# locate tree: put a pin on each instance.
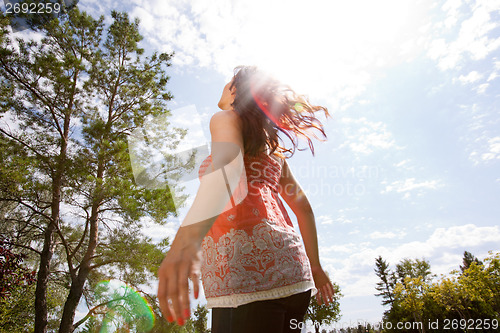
(16, 282)
(324, 314)
(473, 293)
(72, 99)
(410, 296)
(386, 284)
(22, 19)
(468, 259)
(200, 321)
(461, 299)
(405, 291)
(418, 268)
(12, 273)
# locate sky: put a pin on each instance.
(411, 165)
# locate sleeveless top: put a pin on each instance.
(253, 252)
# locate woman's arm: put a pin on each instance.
(296, 199)
(183, 259)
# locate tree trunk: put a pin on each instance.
(41, 311)
(41, 282)
(72, 301)
(78, 283)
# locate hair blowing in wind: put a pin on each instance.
(267, 106)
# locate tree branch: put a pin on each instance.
(23, 246)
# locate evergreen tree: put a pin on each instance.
(71, 100)
(467, 260)
(386, 285)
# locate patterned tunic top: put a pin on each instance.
(252, 252)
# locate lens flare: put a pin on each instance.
(124, 308)
(272, 109)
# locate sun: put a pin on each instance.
(322, 47)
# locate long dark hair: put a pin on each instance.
(267, 106)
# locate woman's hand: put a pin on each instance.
(181, 262)
(324, 285)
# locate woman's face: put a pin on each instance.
(227, 97)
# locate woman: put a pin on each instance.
(256, 274)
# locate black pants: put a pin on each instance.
(281, 315)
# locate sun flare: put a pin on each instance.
(326, 47)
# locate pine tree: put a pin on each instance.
(467, 260)
(70, 101)
(386, 284)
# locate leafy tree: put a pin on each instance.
(418, 268)
(200, 321)
(405, 291)
(12, 273)
(16, 287)
(410, 296)
(324, 314)
(73, 98)
(473, 294)
(461, 298)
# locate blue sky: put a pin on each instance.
(411, 167)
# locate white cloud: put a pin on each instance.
(463, 236)
(481, 132)
(493, 152)
(403, 163)
(364, 136)
(451, 7)
(387, 235)
(411, 185)
(470, 78)
(287, 37)
(325, 219)
(473, 39)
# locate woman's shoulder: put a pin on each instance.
(225, 116)
(225, 127)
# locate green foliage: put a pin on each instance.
(386, 284)
(16, 288)
(17, 313)
(462, 298)
(468, 259)
(324, 314)
(200, 322)
(120, 307)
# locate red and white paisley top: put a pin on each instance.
(253, 252)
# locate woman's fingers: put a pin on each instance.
(173, 296)
(196, 284)
(318, 298)
(331, 291)
(183, 293)
(163, 296)
(327, 293)
(180, 264)
(173, 292)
